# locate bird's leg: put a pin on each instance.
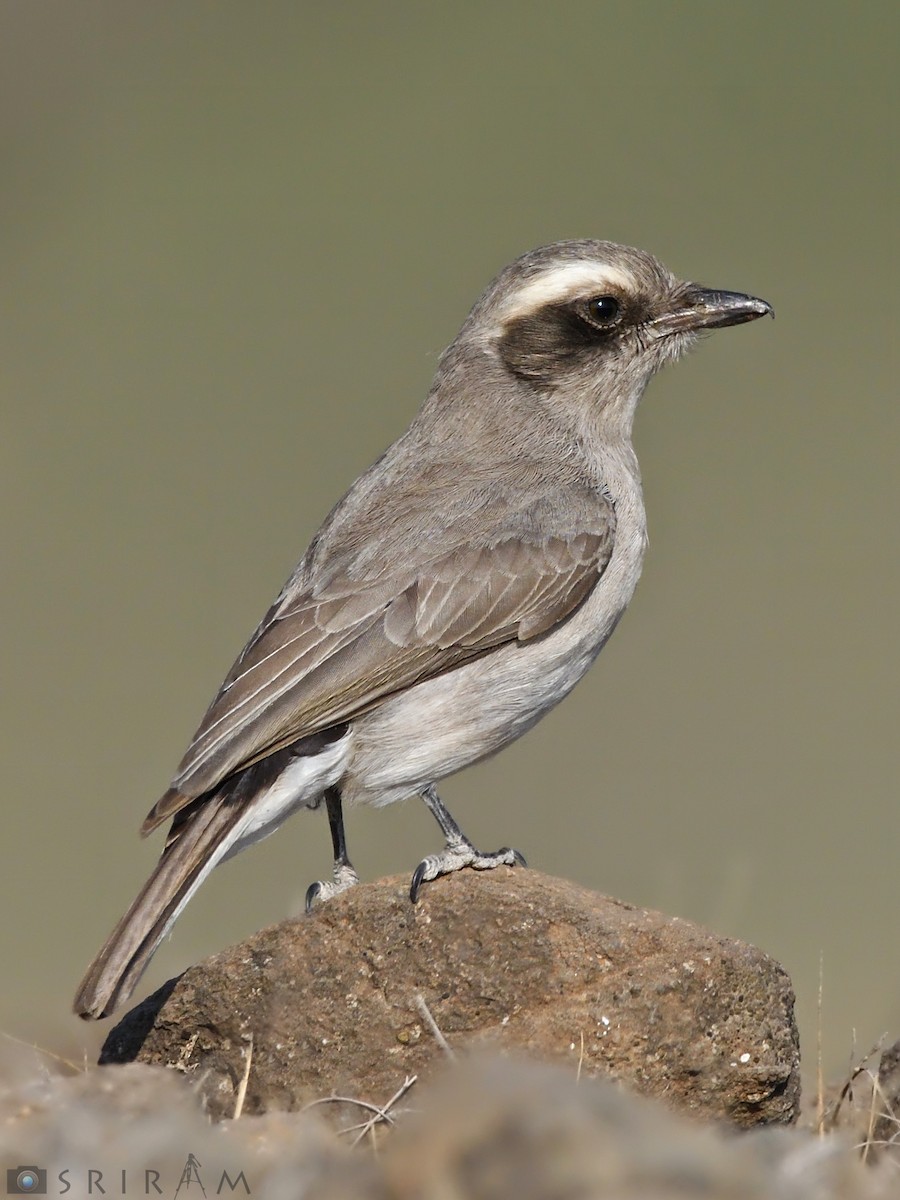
(344, 874)
(458, 851)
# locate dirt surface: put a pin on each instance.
(488, 1130)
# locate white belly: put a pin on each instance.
(445, 724)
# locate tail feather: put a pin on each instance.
(197, 843)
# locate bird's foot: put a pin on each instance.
(457, 855)
(317, 893)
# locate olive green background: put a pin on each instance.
(235, 237)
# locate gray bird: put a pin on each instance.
(457, 592)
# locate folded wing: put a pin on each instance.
(324, 657)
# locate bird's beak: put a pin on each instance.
(705, 308)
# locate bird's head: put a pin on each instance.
(596, 319)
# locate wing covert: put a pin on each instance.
(323, 658)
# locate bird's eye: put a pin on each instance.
(602, 311)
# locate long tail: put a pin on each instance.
(198, 841)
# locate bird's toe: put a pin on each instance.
(455, 857)
(317, 893)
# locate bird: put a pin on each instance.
(455, 594)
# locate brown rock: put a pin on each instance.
(510, 960)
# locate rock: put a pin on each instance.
(339, 1002)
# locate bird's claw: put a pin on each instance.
(317, 893)
(455, 857)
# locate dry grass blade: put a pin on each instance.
(877, 1095)
(881, 1114)
(343, 1100)
(831, 1119)
(383, 1113)
(66, 1062)
(379, 1112)
(433, 1026)
(242, 1089)
(820, 1079)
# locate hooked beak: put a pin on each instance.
(706, 308)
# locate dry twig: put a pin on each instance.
(383, 1113)
(242, 1089)
(433, 1026)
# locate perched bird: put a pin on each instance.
(459, 590)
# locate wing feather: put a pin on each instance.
(322, 658)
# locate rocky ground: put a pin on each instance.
(512, 1036)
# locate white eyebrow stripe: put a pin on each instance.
(562, 283)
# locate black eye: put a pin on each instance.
(602, 311)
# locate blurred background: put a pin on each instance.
(235, 238)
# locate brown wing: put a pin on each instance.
(330, 656)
